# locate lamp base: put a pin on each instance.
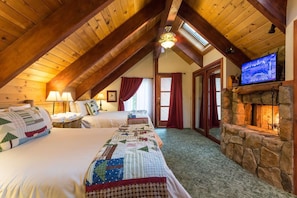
(100, 106)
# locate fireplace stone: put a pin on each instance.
(267, 155)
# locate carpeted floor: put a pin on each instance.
(205, 172)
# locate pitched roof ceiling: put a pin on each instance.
(89, 44)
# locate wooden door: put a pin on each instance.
(201, 99)
(163, 86)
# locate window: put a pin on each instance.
(194, 37)
(142, 99)
(165, 98)
(195, 34)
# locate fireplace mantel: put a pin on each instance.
(257, 87)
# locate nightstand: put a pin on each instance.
(64, 122)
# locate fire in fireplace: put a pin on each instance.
(262, 116)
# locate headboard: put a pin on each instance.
(5, 105)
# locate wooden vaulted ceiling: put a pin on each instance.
(86, 45)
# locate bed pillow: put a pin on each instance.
(18, 127)
(21, 107)
(72, 106)
(46, 117)
(81, 107)
(43, 112)
(92, 107)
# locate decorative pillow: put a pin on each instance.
(92, 107)
(81, 107)
(46, 117)
(18, 127)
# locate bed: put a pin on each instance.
(58, 163)
(94, 118)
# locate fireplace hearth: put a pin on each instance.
(257, 125)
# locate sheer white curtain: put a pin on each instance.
(142, 99)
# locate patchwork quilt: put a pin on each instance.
(129, 165)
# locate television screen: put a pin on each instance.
(263, 69)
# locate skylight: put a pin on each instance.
(195, 34)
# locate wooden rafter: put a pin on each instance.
(189, 49)
(114, 64)
(95, 54)
(168, 17)
(215, 38)
(45, 35)
(122, 69)
(274, 10)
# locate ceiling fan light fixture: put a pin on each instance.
(167, 39)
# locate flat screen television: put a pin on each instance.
(263, 69)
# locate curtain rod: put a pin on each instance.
(172, 73)
(137, 77)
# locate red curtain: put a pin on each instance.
(213, 111)
(175, 117)
(129, 87)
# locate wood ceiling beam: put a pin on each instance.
(182, 55)
(214, 37)
(274, 10)
(189, 49)
(95, 54)
(45, 35)
(98, 76)
(122, 69)
(168, 17)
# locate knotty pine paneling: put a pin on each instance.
(17, 17)
(18, 90)
(237, 20)
(241, 23)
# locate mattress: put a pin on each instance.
(55, 165)
(110, 119)
(51, 166)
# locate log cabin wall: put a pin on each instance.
(18, 90)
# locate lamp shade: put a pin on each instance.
(100, 96)
(66, 96)
(53, 96)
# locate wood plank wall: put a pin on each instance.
(18, 90)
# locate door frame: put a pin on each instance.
(205, 72)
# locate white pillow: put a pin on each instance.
(17, 108)
(72, 107)
(81, 107)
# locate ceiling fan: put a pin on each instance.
(167, 39)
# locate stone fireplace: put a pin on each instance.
(257, 125)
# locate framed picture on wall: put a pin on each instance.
(111, 96)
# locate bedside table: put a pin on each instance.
(64, 122)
